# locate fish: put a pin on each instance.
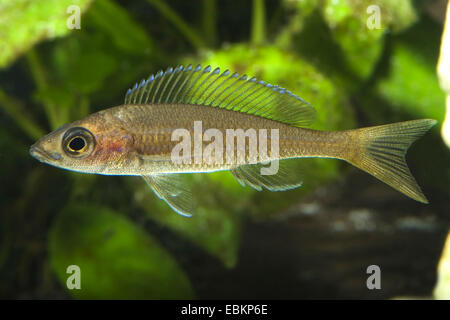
(174, 123)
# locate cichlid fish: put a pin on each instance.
(146, 136)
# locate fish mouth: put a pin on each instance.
(42, 155)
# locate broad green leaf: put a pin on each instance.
(412, 85)
(126, 33)
(118, 260)
(24, 23)
(345, 36)
(74, 59)
(359, 27)
(395, 15)
(215, 225)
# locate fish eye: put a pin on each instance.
(78, 142)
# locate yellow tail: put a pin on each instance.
(382, 150)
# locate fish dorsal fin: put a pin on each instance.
(284, 177)
(210, 87)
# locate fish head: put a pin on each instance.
(91, 145)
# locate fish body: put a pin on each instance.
(189, 120)
(137, 139)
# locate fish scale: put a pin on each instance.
(294, 142)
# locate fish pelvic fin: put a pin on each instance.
(171, 189)
(381, 152)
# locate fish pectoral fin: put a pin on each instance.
(172, 189)
(274, 177)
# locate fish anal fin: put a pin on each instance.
(276, 176)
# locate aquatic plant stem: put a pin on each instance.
(209, 21)
(258, 32)
(38, 73)
(16, 111)
(190, 34)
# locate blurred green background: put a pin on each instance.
(313, 242)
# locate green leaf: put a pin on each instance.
(349, 22)
(335, 34)
(118, 260)
(23, 23)
(412, 85)
(214, 226)
(74, 59)
(117, 23)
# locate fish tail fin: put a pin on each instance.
(381, 152)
